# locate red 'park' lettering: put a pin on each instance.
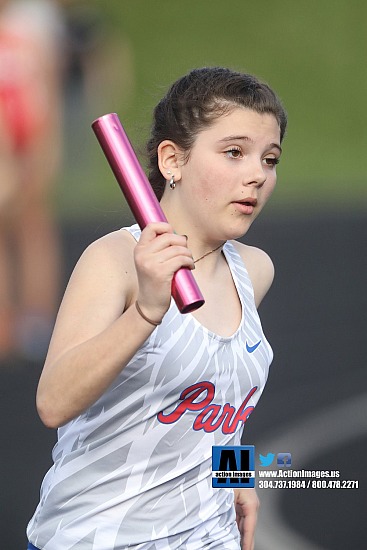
(199, 397)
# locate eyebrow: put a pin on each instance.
(246, 138)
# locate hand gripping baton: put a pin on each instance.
(141, 199)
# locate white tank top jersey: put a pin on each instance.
(134, 470)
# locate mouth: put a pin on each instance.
(246, 206)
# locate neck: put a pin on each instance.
(199, 242)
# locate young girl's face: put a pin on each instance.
(231, 172)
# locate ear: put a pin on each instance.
(169, 159)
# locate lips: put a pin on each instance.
(249, 201)
(246, 206)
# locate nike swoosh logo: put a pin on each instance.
(251, 349)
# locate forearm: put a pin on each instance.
(76, 379)
(247, 506)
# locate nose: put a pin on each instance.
(255, 174)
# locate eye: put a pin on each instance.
(234, 153)
(271, 161)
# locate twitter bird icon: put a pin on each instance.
(266, 460)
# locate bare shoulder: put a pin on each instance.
(259, 267)
(120, 239)
(116, 248)
(109, 258)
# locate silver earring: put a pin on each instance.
(172, 184)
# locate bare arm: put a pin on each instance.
(98, 329)
(246, 506)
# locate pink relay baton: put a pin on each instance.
(141, 199)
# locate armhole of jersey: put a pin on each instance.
(238, 268)
(134, 231)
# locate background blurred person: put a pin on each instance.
(31, 37)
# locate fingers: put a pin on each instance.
(158, 245)
(152, 230)
(160, 235)
(158, 255)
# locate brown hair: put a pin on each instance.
(196, 100)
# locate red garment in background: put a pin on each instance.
(23, 104)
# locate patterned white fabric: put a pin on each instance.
(134, 471)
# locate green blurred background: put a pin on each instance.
(311, 52)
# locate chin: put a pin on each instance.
(238, 230)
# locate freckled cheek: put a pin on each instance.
(207, 186)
